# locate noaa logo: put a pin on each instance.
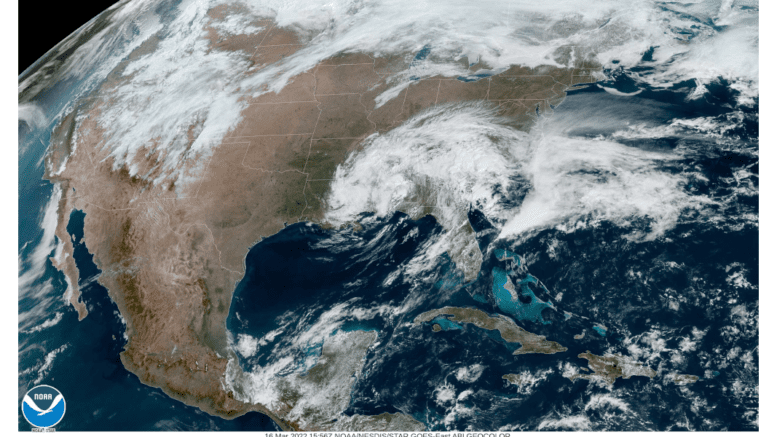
(43, 406)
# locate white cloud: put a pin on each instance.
(46, 324)
(455, 152)
(579, 182)
(470, 373)
(246, 345)
(32, 114)
(578, 422)
(33, 267)
(463, 155)
(48, 361)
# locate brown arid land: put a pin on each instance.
(171, 246)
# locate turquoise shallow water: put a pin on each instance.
(527, 306)
(445, 324)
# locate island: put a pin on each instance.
(610, 367)
(508, 329)
(506, 255)
(682, 379)
(600, 329)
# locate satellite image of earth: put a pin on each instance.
(394, 215)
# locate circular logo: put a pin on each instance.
(43, 406)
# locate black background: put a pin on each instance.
(44, 25)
